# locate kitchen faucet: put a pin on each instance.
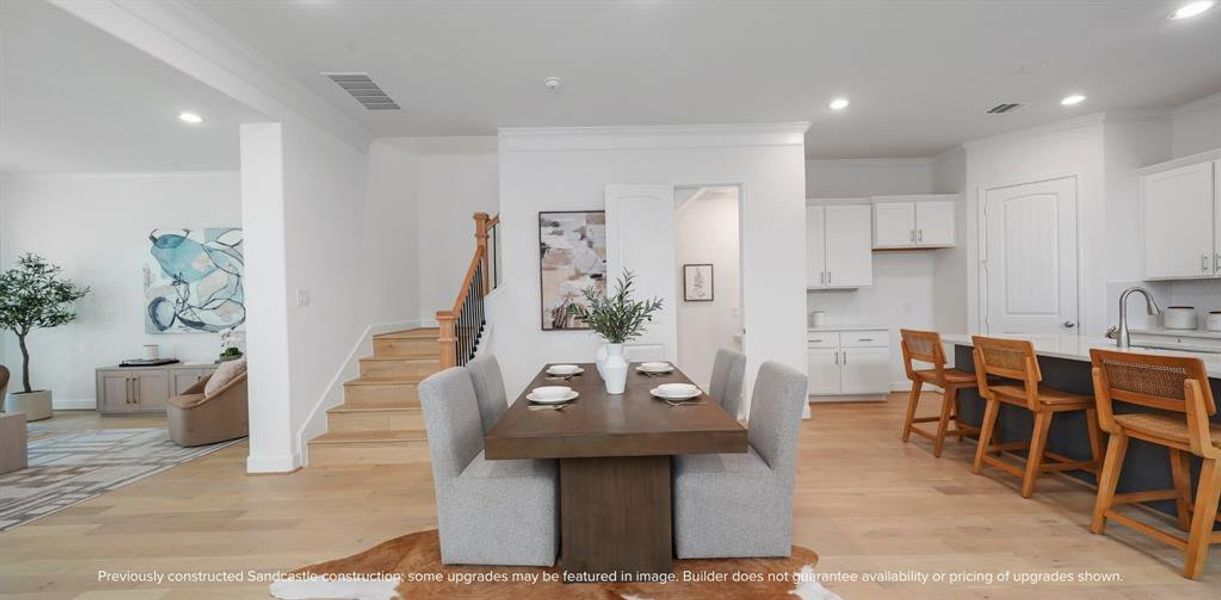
(1123, 340)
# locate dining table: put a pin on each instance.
(615, 453)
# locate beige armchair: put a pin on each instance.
(196, 419)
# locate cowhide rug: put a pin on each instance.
(410, 567)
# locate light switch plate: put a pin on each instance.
(302, 297)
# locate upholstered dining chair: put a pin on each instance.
(741, 505)
(489, 389)
(728, 371)
(489, 512)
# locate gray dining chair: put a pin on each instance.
(741, 505)
(728, 372)
(489, 512)
(489, 389)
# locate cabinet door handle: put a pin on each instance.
(837, 357)
(864, 339)
(845, 357)
(920, 236)
(127, 389)
(822, 277)
(911, 235)
(135, 384)
(1203, 263)
(828, 278)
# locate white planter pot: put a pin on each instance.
(613, 368)
(36, 405)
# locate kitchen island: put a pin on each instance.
(1065, 363)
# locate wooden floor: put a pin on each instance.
(865, 502)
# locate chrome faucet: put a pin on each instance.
(1123, 340)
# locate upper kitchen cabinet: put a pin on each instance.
(838, 246)
(924, 221)
(1181, 219)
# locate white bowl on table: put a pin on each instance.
(551, 394)
(564, 370)
(655, 368)
(676, 391)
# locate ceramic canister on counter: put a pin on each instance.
(1180, 317)
(817, 318)
(1213, 321)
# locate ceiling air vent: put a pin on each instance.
(1005, 107)
(362, 87)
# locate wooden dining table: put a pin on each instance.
(614, 454)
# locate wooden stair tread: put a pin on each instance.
(427, 333)
(397, 380)
(407, 359)
(366, 437)
(373, 408)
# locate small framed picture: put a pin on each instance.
(697, 283)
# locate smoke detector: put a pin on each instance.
(553, 83)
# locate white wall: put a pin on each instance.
(829, 178)
(436, 185)
(392, 233)
(706, 231)
(1196, 126)
(950, 269)
(568, 169)
(96, 227)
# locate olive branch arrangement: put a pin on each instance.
(616, 317)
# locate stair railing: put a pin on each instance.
(460, 328)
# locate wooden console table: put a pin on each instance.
(122, 390)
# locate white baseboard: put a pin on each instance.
(315, 424)
(74, 403)
(273, 463)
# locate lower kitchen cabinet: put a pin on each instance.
(848, 362)
(144, 389)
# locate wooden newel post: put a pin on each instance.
(481, 241)
(447, 337)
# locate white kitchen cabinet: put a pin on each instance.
(846, 362)
(1179, 214)
(838, 246)
(925, 221)
(864, 370)
(824, 375)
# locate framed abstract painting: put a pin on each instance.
(572, 257)
(193, 280)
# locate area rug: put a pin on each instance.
(67, 467)
(410, 567)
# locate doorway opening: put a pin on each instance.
(708, 262)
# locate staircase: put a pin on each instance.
(380, 421)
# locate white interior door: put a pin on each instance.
(640, 238)
(1030, 259)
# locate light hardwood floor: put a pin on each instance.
(865, 502)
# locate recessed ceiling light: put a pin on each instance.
(1192, 9)
(1072, 100)
(190, 117)
(838, 104)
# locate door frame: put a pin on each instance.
(741, 248)
(982, 244)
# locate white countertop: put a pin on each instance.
(834, 328)
(1191, 333)
(1078, 348)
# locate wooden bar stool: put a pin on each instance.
(1178, 388)
(1015, 359)
(925, 346)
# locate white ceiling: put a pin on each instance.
(73, 99)
(920, 74)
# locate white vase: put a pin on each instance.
(36, 405)
(612, 367)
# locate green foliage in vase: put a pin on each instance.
(616, 317)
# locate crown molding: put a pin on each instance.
(527, 139)
(918, 161)
(181, 36)
(20, 176)
(1198, 105)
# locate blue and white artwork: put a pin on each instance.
(193, 280)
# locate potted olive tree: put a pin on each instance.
(618, 318)
(34, 295)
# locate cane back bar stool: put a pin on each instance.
(1178, 388)
(1015, 359)
(925, 346)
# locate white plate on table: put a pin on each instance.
(676, 391)
(564, 370)
(569, 397)
(655, 368)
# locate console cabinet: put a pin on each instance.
(122, 390)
